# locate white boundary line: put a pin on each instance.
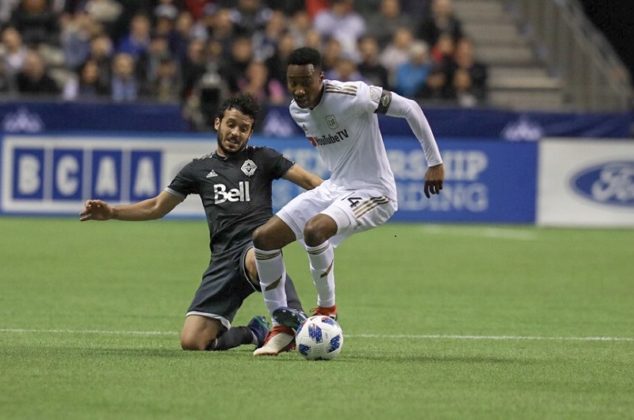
(388, 336)
(489, 337)
(92, 332)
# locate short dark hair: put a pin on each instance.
(305, 55)
(244, 103)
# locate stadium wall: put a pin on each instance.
(589, 183)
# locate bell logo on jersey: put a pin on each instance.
(221, 194)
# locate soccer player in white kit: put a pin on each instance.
(340, 120)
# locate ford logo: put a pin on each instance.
(610, 183)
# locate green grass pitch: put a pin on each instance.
(440, 321)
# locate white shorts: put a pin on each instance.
(353, 210)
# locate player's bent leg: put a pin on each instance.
(268, 240)
(199, 332)
(321, 255)
(202, 333)
(292, 298)
(274, 234)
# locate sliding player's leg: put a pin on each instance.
(224, 287)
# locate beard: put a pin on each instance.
(224, 150)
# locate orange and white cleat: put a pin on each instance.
(278, 340)
(330, 311)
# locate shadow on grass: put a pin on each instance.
(344, 358)
(87, 351)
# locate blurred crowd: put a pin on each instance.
(196, 52)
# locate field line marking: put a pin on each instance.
(383, 336)
(94, 332)
(488, 337)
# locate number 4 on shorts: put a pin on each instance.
(354, 201)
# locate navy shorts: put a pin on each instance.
(225, 285)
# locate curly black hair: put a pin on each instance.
(305, 55)
(244, 103)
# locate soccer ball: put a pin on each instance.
(319, 338)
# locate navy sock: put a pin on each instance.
(231, 338)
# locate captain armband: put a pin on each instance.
(384, 102)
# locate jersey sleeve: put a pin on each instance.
(275, 162)
(184, 183)
(368, 97)
(399, 106)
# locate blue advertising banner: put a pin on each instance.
(486, 181)
(476, 123)
(42, 117)
(482, 123)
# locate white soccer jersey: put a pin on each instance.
(345, 130)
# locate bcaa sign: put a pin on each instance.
(78, 174)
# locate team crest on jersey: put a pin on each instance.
(331, 121)
(249, 167)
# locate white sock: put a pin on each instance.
(322, 269)
(272, 275)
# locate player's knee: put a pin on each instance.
(195, 342)
(261, 238)
(318, 230)
(192, 343)
(274, 234)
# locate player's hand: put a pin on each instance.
(433, 179)
(96, 210)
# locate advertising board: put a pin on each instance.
(589, 183)
(486, 181)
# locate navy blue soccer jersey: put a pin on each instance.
(235, 192)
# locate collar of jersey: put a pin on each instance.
(238, 155)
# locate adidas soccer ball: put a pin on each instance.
(319, 338)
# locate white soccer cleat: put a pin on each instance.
(279, 339)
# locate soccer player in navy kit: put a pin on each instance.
(234, 184)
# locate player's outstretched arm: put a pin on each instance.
(399, 106)
(300, 176)
(152, 208)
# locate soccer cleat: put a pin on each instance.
(330, 311)
(259, 326)
(278, 340)
(289, 317)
